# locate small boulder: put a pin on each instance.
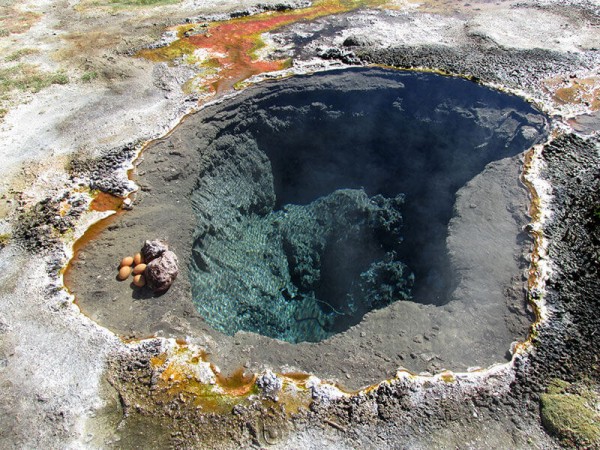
(357, 41)
(153, 249)
(270, 384)
(127, 204)
(161, 271)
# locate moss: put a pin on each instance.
(16, 56)
(4, 239)
(558, 386)
(569, 413)
(28, 78)
(89, 76)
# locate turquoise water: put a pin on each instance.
(321, 198)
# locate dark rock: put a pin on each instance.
(40, 226)
(153, 249)
(356, 41)
(523, 68)
(320, 244)
(333, 53)
(162, 271)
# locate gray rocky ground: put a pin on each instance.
(68, 382)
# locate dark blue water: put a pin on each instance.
(323, 197)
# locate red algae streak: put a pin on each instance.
(232, 45)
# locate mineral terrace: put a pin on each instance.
(471, 318)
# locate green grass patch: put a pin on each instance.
(16, 56)
(28, 78)
(88, 77)
(569, 413)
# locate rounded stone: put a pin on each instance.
(153, 249)
(162, 271)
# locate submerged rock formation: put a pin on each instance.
(336, 245)
(302, 193)
(295, 272)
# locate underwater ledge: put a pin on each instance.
(427, 337)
